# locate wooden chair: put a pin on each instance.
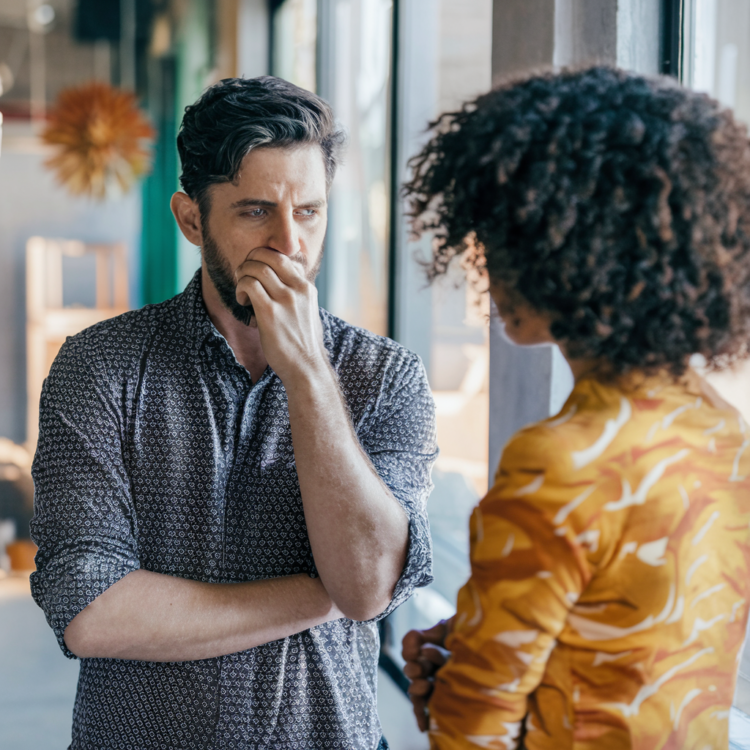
(48, 322)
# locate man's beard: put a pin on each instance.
(222, 276)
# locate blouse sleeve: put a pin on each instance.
(527, 571)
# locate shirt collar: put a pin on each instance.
(192, 308)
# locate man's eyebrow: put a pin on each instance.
(255, 202)
(245, 202)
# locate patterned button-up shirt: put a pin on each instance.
(157, 451)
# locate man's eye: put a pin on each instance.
(254, 213)
(306, 211)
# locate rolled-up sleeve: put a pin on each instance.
(400, 439)
(83, 511)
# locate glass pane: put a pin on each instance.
(294, 42)
(355, 271)
(717, 62)
(457, 321)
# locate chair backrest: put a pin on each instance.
(50, 319)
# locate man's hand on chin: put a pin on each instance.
(286, 312)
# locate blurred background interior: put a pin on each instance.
(74, 251)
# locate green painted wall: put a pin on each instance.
(194, 63)
(168, 260)
(159, 234)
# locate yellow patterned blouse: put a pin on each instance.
(610, 579)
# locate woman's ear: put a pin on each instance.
(524, 325)
(188, 216)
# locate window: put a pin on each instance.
(716, 60)
(294, 42)
(445, 51)
(341, 49)
(371, 276)
(355, 77)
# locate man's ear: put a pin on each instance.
(188, 217)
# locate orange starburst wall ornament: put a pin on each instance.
(102, 139)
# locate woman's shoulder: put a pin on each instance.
(600, 423)
(589, 421)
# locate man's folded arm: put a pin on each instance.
(402, 445)
(154, 617)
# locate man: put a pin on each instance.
(231, 485)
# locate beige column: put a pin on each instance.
(527, 385)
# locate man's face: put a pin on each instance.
(279, 201)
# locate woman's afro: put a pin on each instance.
(619, 204)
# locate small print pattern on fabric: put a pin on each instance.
(157, 451)
(610, 581)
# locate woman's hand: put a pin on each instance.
(424, 652)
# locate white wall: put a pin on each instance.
(635, 50)
(586, 31)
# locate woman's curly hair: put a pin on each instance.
(616, 203)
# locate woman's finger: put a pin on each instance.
(422, 650)
(420, 688)
(420, 712)
(436, 634)
(413, 641)
(413, 670)
(433, 655)
(428, 666)
(421, 668)
(411, 644)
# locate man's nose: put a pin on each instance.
(284, 236)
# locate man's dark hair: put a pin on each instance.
(237, 115)
(619, 204)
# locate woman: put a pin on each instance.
(610, 580)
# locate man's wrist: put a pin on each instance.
(311, 380)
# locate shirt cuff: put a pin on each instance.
(66, 585)
(417, 570)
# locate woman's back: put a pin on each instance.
(610, 577)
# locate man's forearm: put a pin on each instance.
(358, 531)
(153, 617)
